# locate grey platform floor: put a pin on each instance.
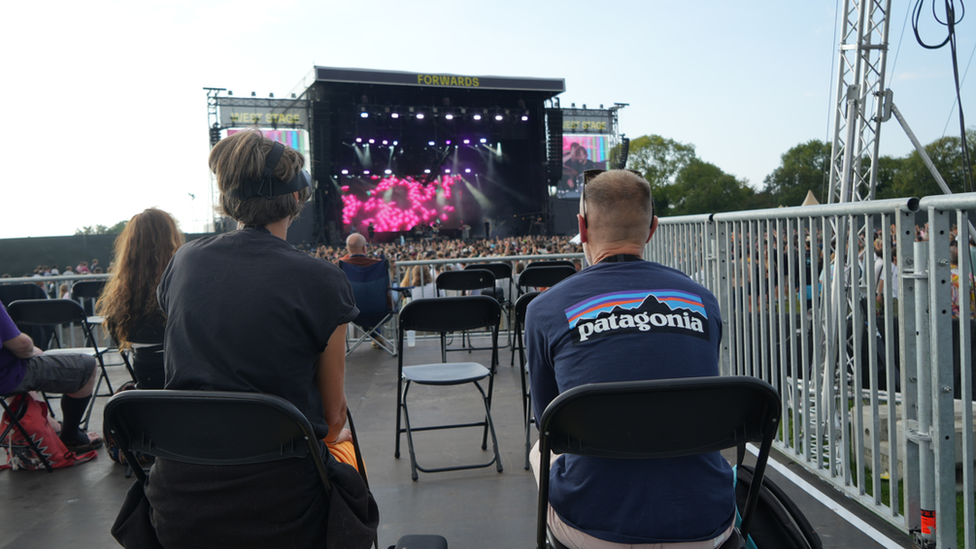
(75, 507)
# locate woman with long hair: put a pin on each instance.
(128, 302)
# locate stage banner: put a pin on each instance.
(587, 121)
(237, 112)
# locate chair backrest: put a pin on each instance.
(88, 289)
(522, 305)
(210, 428)
(370, 286)
(626, 420)
(41, 312)
(500, 270)
(14, 292)
(551, 263)
(450, 314)
(468, 279)
(544, 277)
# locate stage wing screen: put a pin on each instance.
(394, 203)
(581, 153)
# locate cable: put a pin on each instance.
(950, 23)
(964, 74)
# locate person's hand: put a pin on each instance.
(36, 352)
(345, 435)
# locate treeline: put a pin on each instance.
(685, 184)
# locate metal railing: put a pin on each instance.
(866, 356)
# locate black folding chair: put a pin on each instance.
(537, 276)
(625, 421)
(464, 281)
(54, 313)
(442, 315)
(520, 308)
(502, 271)
(371, 288)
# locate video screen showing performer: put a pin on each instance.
(393, 204)
(580, 153)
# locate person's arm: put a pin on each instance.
(22, 346)
(331, 376)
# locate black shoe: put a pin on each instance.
(91, 442)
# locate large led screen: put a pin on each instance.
(580, 153)
(393, 203)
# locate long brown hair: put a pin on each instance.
(142, 251)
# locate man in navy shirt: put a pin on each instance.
(626, 319)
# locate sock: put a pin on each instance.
(73, 409)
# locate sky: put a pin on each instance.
(106, 113)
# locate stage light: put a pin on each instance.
(372, 141)
(395, 143)
(467, 141)
(476, 116)
(427, 170)
(395, 115)
(345, 172)
(364, 114)
(359, 140)
(484, 140)
(365, 172)
(388, 171)
(447, 170)
(499, 117)
(525, 118)
(431, 143)
(467, 170)
(385, 142)
(449, 116)
(448, 142)
(420, 116)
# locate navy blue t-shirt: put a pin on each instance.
(630, 321)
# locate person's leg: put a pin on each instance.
(73, 376)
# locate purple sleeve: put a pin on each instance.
(8, 330)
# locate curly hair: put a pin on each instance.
(142, 251)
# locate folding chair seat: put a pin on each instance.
(626, 420)
(442, 315)
(53, 313)
(521, 306)
(14, 417)
(541, 276)
(371, 288)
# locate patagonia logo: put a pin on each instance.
(660, 311)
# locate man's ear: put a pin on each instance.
(582, 227)
(653, 228)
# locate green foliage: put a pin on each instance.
(659, 159)
(702, 187)
(913, 178)
(102, 229)
(803, 168)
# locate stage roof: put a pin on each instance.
(550, 86)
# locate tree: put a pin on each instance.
(702, 187)
(914, 178)
(803, 168)
(659, 159)
(102, 229)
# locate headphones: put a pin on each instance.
(270, 186)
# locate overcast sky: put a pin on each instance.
(106, 114)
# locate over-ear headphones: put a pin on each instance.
(270, 186)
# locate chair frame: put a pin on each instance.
(15, 424)
(54, 312)
(386, 316)
(623, 420)
(501, 270)
(180, 426)
(521, 307)
(463, 281)
(542, 276)
(442, 315)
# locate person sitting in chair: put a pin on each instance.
(626, 319)
(246, 311)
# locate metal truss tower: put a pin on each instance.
(860, 99)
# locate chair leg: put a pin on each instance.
(406, 419)
(91, 403)
(399, 411)
(528, 426)
(491, 428)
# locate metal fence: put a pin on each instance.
(865, 351)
